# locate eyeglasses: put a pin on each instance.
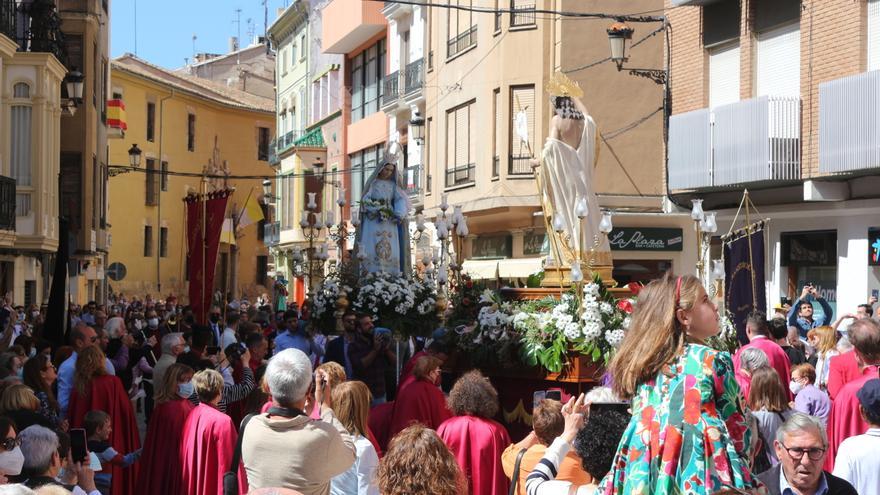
(815, 454)
(94, 339)
(9, 443)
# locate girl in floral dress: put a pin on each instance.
(689, 433)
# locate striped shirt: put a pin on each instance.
(541, 481)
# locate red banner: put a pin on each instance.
(203, 245)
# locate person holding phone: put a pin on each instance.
(801, 314)
(44, 457)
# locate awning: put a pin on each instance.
(504, 268)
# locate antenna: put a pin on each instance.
(237, 22)
(266, 21)
(250, 30)
(194, 47)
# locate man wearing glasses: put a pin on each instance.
(801, 446)
(81, 337)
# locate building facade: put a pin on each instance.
(772, 96)
(250, 69)
(187, 125)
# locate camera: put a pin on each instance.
(234, 351)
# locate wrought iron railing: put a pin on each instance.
(273, 152)
(271, 233)
(461, 42)
(414, 180)
(390, 88)
(7, 18)
(286, 140)
(522, 14)
(7, 203)
(43, 32)
(414, 76)
(461, 175)
(519, 165)
(311, 139)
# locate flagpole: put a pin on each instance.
(243, 208)
(204, 200)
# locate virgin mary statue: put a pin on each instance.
(382, 242)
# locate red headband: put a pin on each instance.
(677, 292)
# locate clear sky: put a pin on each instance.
(165, 28)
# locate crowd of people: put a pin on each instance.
(259, 401)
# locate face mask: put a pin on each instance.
(185, 389)
(215, 318)
(35, 314)
(185, 348)
(153, 323)
(20, 373)
(21, 317)
(11, 462)
(32, 353)
(795, 387)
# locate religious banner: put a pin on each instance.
(203, 245)
(874, 246)
(744, 275)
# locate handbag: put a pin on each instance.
(515, 477)
(230, 478)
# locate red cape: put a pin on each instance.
(209, 439)
(845, 421)
(842, 370)
(419, 402)
(160, 466)
(106, 394)
(477, 445)
(379, 421)
(408, 369)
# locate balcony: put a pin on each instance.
(520, 165)
(414, 181)
(43, 33)
(461, 42)
(849, 117)
(7, 203)
(414, 79)
(461, 175)
(348, 24)
(390, 90)
(7, 18)
(522, 15)
(273, 152)
(271, 233)
(286, 141)
(748, 141)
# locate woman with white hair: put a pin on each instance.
(751, 359)
(280, 447)
(43, 460)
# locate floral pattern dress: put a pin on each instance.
(689, 432)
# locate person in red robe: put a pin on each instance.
(434, 349)
(421, 401)
(842, 370)
(476, 440)
(845, 420)
(160, 471)
(209, 439)
(95, 390)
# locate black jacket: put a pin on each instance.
(836, 486)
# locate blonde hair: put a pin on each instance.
(655, 336)
(335, 372)
(18, 397)
(827, 337)
(425, 365)
(208, 385)
(351, 405)
(90, 363)
(167, 390)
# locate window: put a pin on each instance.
(460, 145)
(164, 176)
(152, 184)
(30, 292)
(21, 138)
(104, 81)
(498, 15)
(151, 121)
(522, 13)
(262, 269)
(283, 58)
(96, 76)
(721, 23)
(190, 132)
(148, 241)
(873, 34)
(302, 47)
(263, 143)
(522, 105)
(496, 132)
(778, 62)
(461, 33)
(724, 75)
(362, 165)
(96, 192)
(163, 242)
(428, 123)
(367, 69)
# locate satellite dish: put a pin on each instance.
(116, 271)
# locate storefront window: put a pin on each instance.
(811, 258)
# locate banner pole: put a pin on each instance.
(204, 200)
(751, 260)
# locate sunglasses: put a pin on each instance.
(10, 443)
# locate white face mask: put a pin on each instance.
(153, 323)
(11, 462)
(795, 387)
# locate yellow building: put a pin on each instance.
(184, 124)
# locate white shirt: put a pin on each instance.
(228, 338)
(857, 461)
(360, 479)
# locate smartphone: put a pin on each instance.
(212, 350)
(875, 293)
(554, 395)
(78, 446)
(537, 397)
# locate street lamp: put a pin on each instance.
(267, 192)
(417, 128)
(318, 166)
(74, 83)
(134, 156)
(619, 34)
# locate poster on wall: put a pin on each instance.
(874, 246)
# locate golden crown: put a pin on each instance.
(562, 85)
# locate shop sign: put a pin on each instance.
(874, 246)
(815, 248)
(645, 239)
(535, 243)
(494, 246)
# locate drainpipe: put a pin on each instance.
(159, 198)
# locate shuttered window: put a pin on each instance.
(522, 101)
(460, 145)
(779, 62)
(152, 183)
(497, 132)
(873, 34)
(724, 75)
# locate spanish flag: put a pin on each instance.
(251, 213)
